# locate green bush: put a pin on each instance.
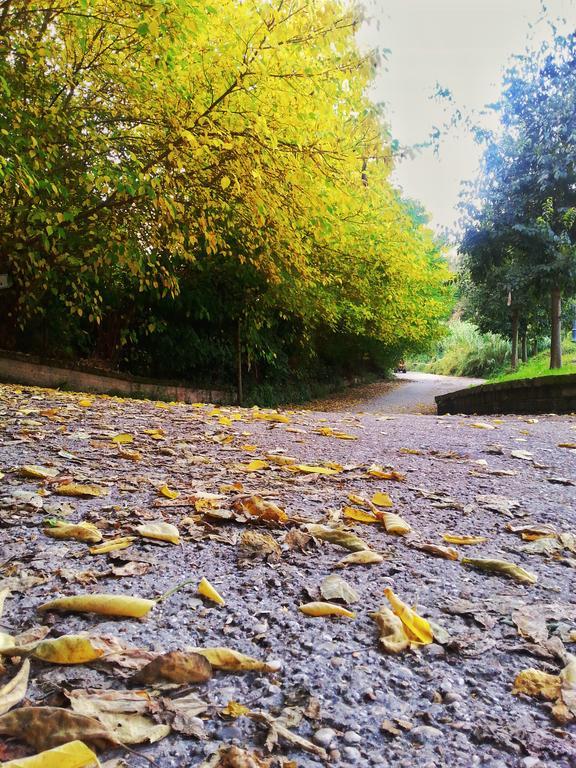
(465, 351)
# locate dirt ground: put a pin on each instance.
(328, 692)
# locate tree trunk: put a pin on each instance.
(555, 328)
(534, 350)
(524, 347)
(239, 362)
(514, 361)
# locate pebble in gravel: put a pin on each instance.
(324, 737)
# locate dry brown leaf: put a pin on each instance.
(279, 730)
(77, 489)
(254, 544)
(392, 634)
(433, 549)
(233, 661)
(47, 727)
(455, 538)
(177, 667)
(337, 536)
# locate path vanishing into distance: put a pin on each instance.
(410, 392)
(383, 590)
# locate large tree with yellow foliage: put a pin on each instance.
(154, 144)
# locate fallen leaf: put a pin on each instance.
(329, 432)
(385, 474)
(47, 727)
(207, 590)
(433, 549)
(455, 538)
(233, 661)
(235, 709)
(74, 754)
(482, 425)
(76, 489)
(392, 634)
(122, 542)
(567, 445)
(382, 500)
(15, 690)
(159, 531)
(265, 416)
(394, 523)
(253, 466)
(107, 605)
(168, 492)
(335, 588)
(359, 515)
(258, 507)
(498, 503)
(120, 713)
(177, 667)
(363, 557)
(123, 438)
(279, 730)
(125, 453)
(325, 609)
(524, 455)
(534, 682)
(57, 529)
(67, 649)
(230, 756)
(254, 544)
(337, 536)
(504, 567)
(417, 628)
(309, 469)
(37, 472)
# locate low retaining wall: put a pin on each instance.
(25, 369)
(547, 394)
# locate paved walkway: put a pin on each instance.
(417, 392)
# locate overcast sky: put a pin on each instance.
(463, 45)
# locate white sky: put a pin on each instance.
(463, 45)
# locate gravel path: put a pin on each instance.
(446, 703)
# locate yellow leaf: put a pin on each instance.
(337, 536)
(235, 709)
(394, 523)
(167, 492)
(249, 448)
(411, 451)
(432, 549)
(281, 461)
(502, 566)
(259, 507)
(37, 472)
(160, 532)
(15, 690)
(74, 754)
(325, 609)
(392, 634)
(224, 182)
(277, 417)
(155, 434)
(125, 453)
(104, 604)
(385, 474)
(112, 545)
(382, 500)
(363, 557)
(76, 531)
(311, 470)
(417, 628)
(329, 432)
(534, 682)
(233, 661)
(85, 402)
(454, 538)
(253, 466)
(76, 489)
(357, 500)
(68, 649)
(359, 515)
(225, 421)
(207, 590)
(482, 425)
(123, 438)
(566, 445)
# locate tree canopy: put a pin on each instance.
(167, 147)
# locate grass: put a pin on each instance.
(539, 365)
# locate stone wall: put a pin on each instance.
(547, 394)
(28, 370)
